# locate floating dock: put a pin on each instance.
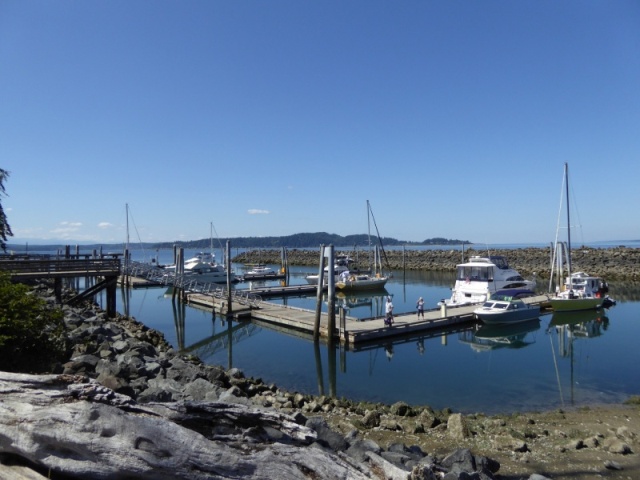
(349, 330)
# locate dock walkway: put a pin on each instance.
(351, 331)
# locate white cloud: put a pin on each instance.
(105, 225)
(255, 211)
(66, 229)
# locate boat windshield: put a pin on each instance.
(499, 261)
(474, 273)
(496, 305)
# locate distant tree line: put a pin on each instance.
(298, 240)
(307, 240)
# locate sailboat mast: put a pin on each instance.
(369, 231)
(566, 179)
(127, 212)
(211, 237)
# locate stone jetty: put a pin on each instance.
(127, 405)
(609, 263)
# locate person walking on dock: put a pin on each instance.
(420, 308)
(389, 310)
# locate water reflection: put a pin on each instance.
(368, 304)
(490, 337)
(568, 327)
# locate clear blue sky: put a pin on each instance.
(453, 118)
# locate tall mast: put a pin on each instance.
(566, 179)
(369, 231)
(211, 237)
(127, 212)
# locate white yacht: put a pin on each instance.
(203, 268)
(478, 278)
(341, 264)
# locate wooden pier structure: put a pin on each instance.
(27, 267)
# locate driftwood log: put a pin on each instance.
(73, 427)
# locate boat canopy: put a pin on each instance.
(507, 294)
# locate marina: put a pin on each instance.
(532, 365)
(270, 335)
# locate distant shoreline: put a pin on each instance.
(609, 263)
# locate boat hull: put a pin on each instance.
(503, 317)
(363, 284)
(575, 304)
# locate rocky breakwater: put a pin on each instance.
(610, 263)
(126, 405)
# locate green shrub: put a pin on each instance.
(31, 332)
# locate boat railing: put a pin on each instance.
(189, 284)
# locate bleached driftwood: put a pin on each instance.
(77, 427)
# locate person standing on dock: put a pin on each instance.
(389, 309)
(420, 307)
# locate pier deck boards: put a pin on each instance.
(355, 331)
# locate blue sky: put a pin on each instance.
(453, 118)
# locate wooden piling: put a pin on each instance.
(316, 326)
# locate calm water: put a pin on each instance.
(544, 366)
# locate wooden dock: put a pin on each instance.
(349, 331)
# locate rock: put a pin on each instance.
(401, 409)
(358, 449)
(371, 419)
(457, 427)
(615, 445)
(611, 465)
(460, 461)
(325, 435)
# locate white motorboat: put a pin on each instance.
(507, 306)
(202, 268)
(260, 271)
(579, 291)
(480, 277)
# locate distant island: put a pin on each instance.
(298, 240)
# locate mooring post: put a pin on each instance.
(331, 296)
(316, 325)
(112, 287)
(179, 263)
(228, 265)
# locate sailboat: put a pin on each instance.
(375, 280)
(579, 291)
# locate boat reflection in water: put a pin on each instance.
(373, 300)
(569, 326)
(491, 337)
(581, 323)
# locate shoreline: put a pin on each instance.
(616, 263)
